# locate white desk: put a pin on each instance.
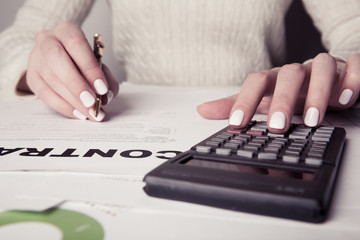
(49, 161)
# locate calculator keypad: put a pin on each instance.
(300, 145)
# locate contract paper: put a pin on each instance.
(53, 167)
(145, 126)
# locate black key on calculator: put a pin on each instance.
(292, 175)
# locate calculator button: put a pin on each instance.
(295, 149)
(324, 136)
(322, 133)
(251, 148)
(298, 145)
(273, 135)
(212, 144)
(203, 149)
(255, 144)
(255, 132)
(313, 161)
(320, 144)
(244, 153)
(301, 141)
(267, 156)
(326, 128)
(316, 154)
(290, 159)
(264, 138)
(321, 138)
(297, 136)
(235, 131)
(226, 134)
(257, 140)
(280, 140)
(275, 145)
(225, 137)
(317, 148)
(259, 128)
(233, 146)
(239, 142)
(223, 151)
(220, 140)
(272, 149)
(289, 152)
(303, 130)
(243, 137)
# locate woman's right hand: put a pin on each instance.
(63, 72)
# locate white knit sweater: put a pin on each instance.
(185, 42)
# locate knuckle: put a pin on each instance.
(41, 36)
(92, 71)
(354, 57)
(324, 58)
(243, 103)
(54, 50)
(296, 68)
(353, 76)
(75, 40)
(285, 101)
(260, 77)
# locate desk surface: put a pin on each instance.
(50, 161)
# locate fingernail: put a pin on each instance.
(87, 99)
(100, 87)
(79, 115)
(312, 117)
(110, 96)
(345, 96)
(236, 118)
(99, 117)
(277, 120)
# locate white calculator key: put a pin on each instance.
(203, 149)
(223, 151)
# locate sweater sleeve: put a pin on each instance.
(339, 23)
(17, 41)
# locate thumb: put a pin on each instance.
(218, 109)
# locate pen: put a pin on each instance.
(98, 52)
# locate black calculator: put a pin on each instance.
(292, 175)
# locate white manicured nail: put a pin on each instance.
(100, 87)
(79, 115)
(312, 117)
(110, 96)
(345, 96)
(277, 120)
(236, 118)
(87, 99)
(99, 117)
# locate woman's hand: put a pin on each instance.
(309, 88)
(63, 72)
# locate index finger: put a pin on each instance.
(76, 45)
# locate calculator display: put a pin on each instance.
(242, 168)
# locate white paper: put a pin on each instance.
(117, 201)
(145, 118)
